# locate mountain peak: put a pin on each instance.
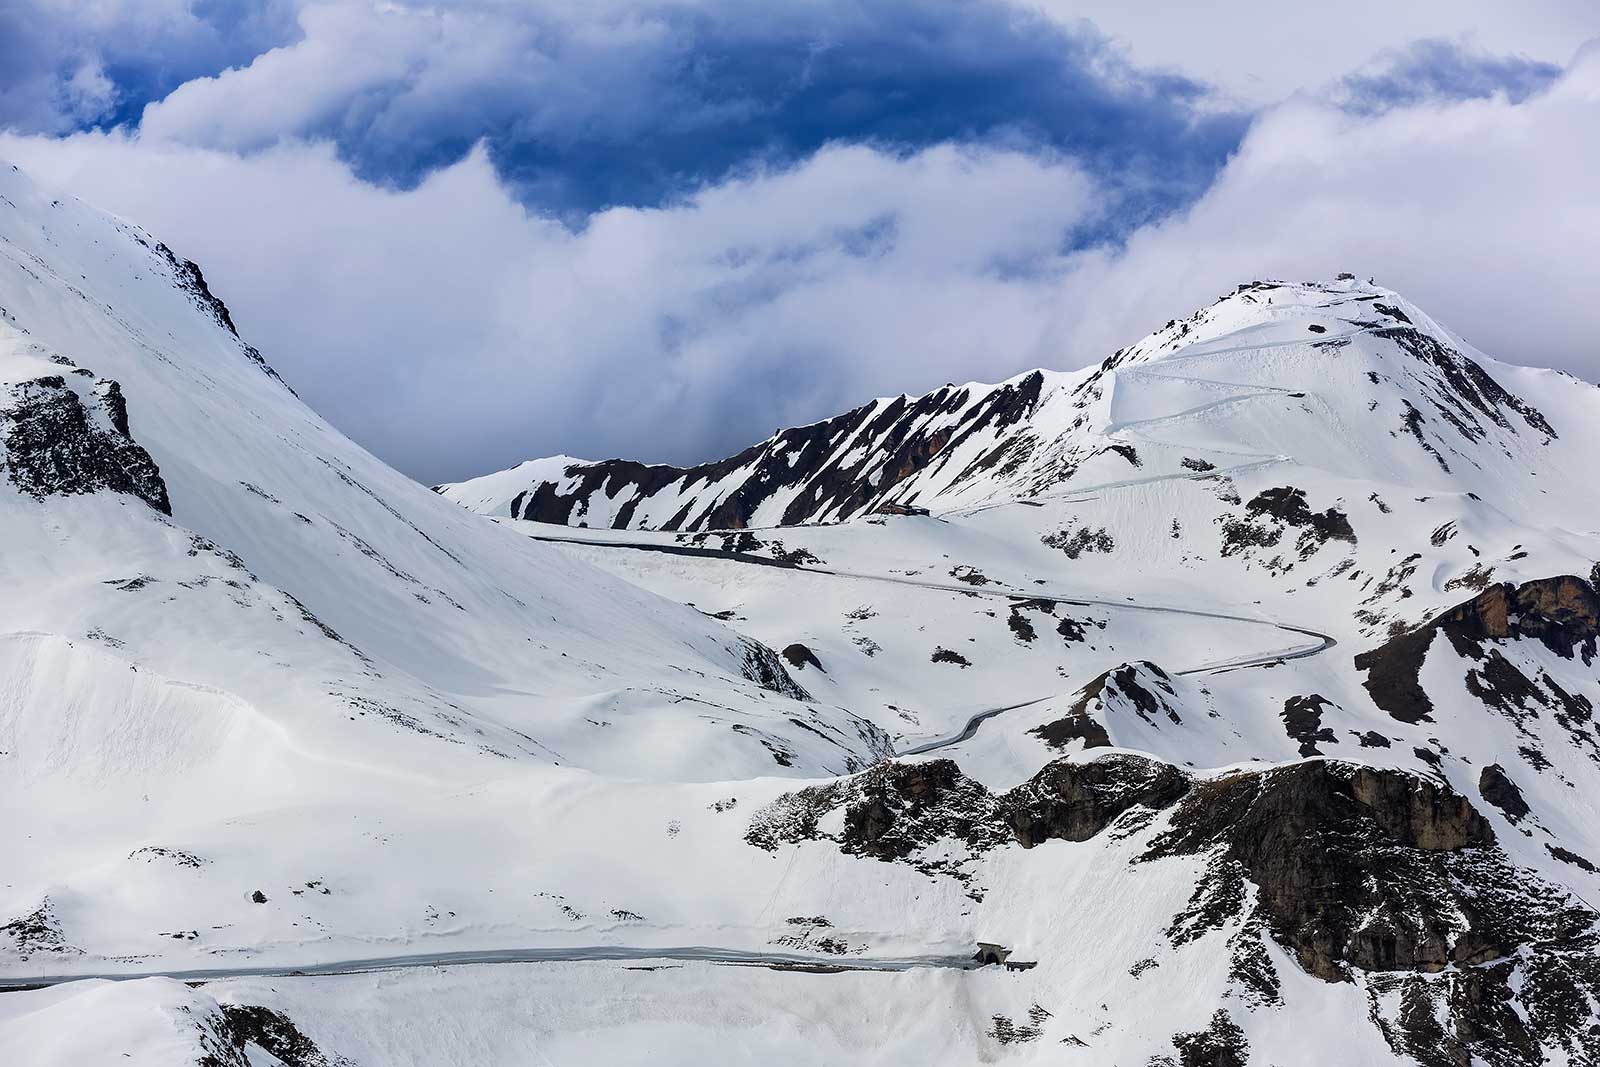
(1342, 375)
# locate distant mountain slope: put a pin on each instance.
(169, 506)
(1343, 377)
(1242, 686)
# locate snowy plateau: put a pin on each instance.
(1239, 690)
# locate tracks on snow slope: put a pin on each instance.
(1322, 644)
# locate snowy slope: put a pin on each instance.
(1152, 667)
(1345, 376)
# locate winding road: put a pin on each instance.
(1322, 641)
(611, 953)
(702, 953)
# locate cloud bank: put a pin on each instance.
(433, 275)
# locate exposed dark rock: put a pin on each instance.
(1021, 625)
(945, 655)
(1562, 613)
(1142, 688)
(258, 897)
(895, 810)
(57, 444)
(1477, 578)
(176, 856)
(186, 274)
(1241, 535)
(1069, 801)
(1568, 856)
(1076, 725)
(1222, 1044)
(38, 931)
(1345, 859)
(1007, 1032)
(1412, 422)
(1468, 393)
(1076, 542)
(276, 1034)
(969, 575)
(1302, 717)
(1373, 739)
(1502, 792)
(1288, 506)
(762, 666)
(800, 657)
(903, 437)
(1428, 756)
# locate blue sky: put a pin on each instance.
(663, 228)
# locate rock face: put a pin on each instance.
(765, 668)
(1361, 874)
(1502, 792)
(1132, 690)
(1287, 505)
(56, 442)
(896, 809)
(1562, 613)
(800, 657)
(834, 469)
(1396, 880)
(1345, 860)
(1075, 801)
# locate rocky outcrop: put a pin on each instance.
(1221, 1044)
(1359, 873)
(800, 657)
(831, 470)
(896, 810)
(1396, 879)
(58, 443)
(1139, 690)
(1345, 860)
(187, 276)
(1302, 718)
(1498, 789)
(1075, 801)
(765, 668)
(1562, 613)
(1287, 506)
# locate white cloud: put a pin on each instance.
(451, 331)
(1262, 51)
(1480, 211)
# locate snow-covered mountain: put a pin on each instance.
(1454, 419)
(1243, 684)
